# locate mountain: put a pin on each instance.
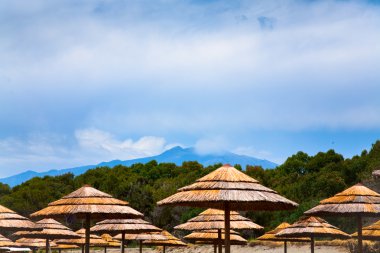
(175, 155)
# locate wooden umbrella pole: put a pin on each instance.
(312, 244)
(105, 249)
(215, 248)
(87, 227)
(140, 246)
(285, 247)
(227, 210)
(82, 248)
(122, 242)
(164, 249)
(47, 246)
(360, 234)
(219, 241)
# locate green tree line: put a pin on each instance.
(302, 178)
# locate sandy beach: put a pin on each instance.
(237, 249)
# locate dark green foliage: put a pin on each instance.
(303, 178)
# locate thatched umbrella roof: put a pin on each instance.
(148, 236)
(212, 236)
(124, 226)
(271, 236)
(170, 240)
(371, 232)
(51, 229)
(88, 203)
(357, 201)
(229, 189)
(65, 246)
(111, 241)
(10, 220)
(87, 200)
(5, 242)
(312, 227)
(95, 240)
(128, 226)
(229, 185)
(33, 243)
(214, 219)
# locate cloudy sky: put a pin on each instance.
(83, 82)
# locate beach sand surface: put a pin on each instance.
(234, 249)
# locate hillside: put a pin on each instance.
(176, 155)
(302, 178)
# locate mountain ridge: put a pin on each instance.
(176, 155)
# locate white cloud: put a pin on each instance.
(182, 70)
(107, 145)
(91, 146)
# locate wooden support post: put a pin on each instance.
(87, 227)
(285, 247)
(360, 234)
(47, 246)
(122, 242)
(227, 246)
(220, 241)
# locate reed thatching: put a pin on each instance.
(141, 237)
(51, 229)
(312, 227)
(64, 246)
(87, 200)
(5, 242)
(356, 200)
(212, 236)
(113, 243)
(371, 232)
(10, 220)
(95, 241)
(271, 235)
(228, 184)
(34, 243)
(229, 189)
(129, 226)
(214, 219)
(169, 241)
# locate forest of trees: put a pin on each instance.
(302, 178)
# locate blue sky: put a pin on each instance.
(90, 81)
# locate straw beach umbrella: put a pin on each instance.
(10, 220)
(152, 236)
(357, 201)
(229, 189)
(214, 219)
(33, 243)
(51, 230)
(170, 240)
(213, 237)
(5, 242)
(371, 232)
(95, 241)
(124, 226)
(88, 203)
(312, 227)
(271, 236)
(149, 236)
(112, 243)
